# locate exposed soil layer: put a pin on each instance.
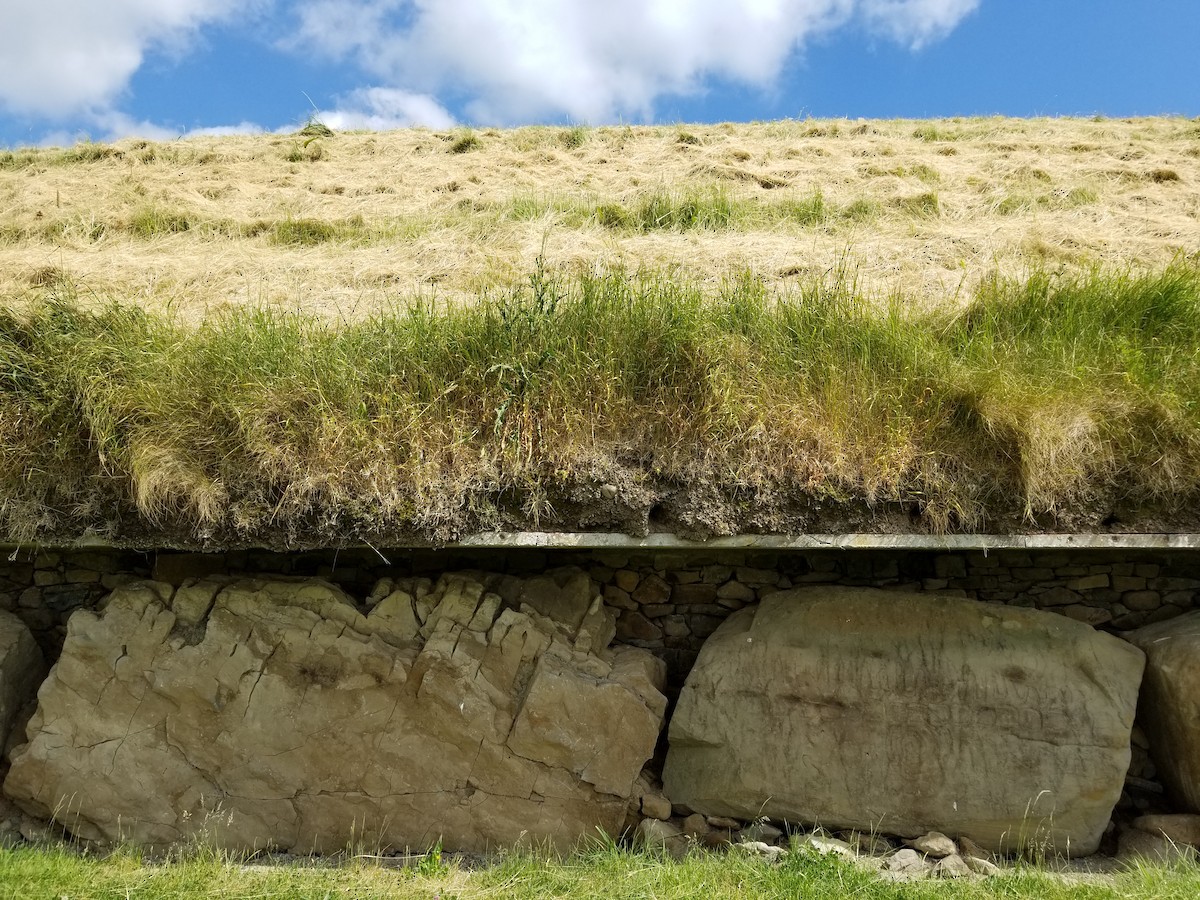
(694, 512)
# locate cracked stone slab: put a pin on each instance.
(21, 671)
(278, 713)
(1170, 711)
(905, 713)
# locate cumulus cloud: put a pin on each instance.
(113, 125)
(916, 22)
(226, 130)
(383, 109)
(521, 60)
(65, 57)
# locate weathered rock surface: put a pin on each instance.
(952, 866)
(1136, 846)
(824, 845)
(901, 713)
(908, 863)
(1169, 711)
(933, 844)
(482, 711)
(657, 835)
(21, 671)
(1180, 828)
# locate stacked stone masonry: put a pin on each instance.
(666, 602)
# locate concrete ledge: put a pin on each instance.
(582, 540)
(604, 541)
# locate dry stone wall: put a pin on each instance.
(668, 602)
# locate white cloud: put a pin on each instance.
(522, 60)
(64, 57)
(225, 130)
(112, 126)
(917, 22)
(384, 109)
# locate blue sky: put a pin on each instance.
(162, 68)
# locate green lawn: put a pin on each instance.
(611, 874)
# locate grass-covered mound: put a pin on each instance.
(610, 400)
(339, 225)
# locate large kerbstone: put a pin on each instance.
(22, 670)
(905, 713)
(1170, 702)
(273, 713)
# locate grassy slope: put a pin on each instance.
(350, 222)
(756, 328)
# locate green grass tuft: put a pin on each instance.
(154, 221)
(922, 206)
(311, 232)
(934, 133)
(1042, 397)
(465, 143)
(573, 138)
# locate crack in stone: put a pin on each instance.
(261, 671)
(128, 728)
(356, 746)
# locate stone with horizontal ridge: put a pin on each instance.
(905, 713)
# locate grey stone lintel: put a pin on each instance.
(583, 540)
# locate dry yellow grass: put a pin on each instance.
(933, 203)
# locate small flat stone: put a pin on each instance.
(658, 835)
(907, 862)
(735, 590)
(1058, 596)
(760, 831)
(934, 844)
(953, 866)
(981, 866)
(656, 806)
(1089, 614)
(627, 580)
(1142, 601)
(651, 590)
(969, 848)
(715, 839)
(870, 864)
(870, 844)
(824, 845)
(724, 822)
(695, 825)
(694, 593)
(769, 852)
(633, 626)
